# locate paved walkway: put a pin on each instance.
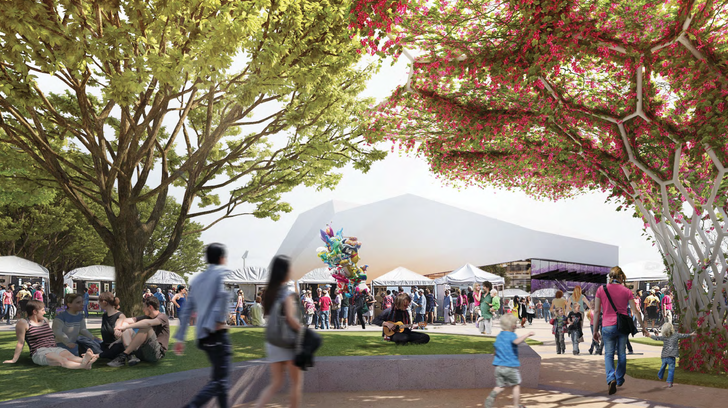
(565, 381)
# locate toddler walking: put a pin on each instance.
(558, 330)
(506, 361)
(670, 350)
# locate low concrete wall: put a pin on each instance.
(330, 374)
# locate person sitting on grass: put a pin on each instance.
(70, 329)
(400, 314)
(506, 362)
(256, 313)
(670, 339)
(111, 345)
(42, 343)
(150, 342)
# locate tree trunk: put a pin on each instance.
(130, 278)
(694, 251)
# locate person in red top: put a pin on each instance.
(614, 341)
(325, 303)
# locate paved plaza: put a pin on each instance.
(565, 381)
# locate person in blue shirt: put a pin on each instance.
(85, 302)
(160, 297)
(209, 300)
(507, 373)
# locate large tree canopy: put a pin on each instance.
(246, 98)
(557, 97)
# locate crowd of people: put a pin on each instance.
(67, 342)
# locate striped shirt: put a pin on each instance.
(38, 337)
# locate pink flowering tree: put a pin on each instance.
(559, 97)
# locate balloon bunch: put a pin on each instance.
(341, 254)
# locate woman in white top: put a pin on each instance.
(530, 310)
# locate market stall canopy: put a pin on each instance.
(469, 273)
(107, 273)
(251, 275)
(402, 277)
(15, 266)
(509, 293)
(645, 271)
(427, 236)
(544, 293)
(318, 276)
(166, 278)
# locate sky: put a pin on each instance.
(586, 216)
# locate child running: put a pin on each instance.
(670, 341)
(559, 323)
(506, 362)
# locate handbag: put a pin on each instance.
(278, 332)
(625, 324)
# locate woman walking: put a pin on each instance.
(430, 309)
(281, 359)
(530, 310)
(239, 306)
(614, 341)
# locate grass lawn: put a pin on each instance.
(645, 340)
(647, 368)
(24, 379)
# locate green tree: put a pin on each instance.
(246, 98)
(561, 97)
(54, 235)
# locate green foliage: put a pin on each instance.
(235, 103)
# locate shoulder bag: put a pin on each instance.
(278, 332)
(625, 324)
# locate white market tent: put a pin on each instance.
(318, 276)
(15, 266)
(251, 275)
(510, 293)
(645, 271)
(544, 293)
(469, 274)
(466, 275)
(431, 237)
(107, 273)
(402, 277)
(249, 279)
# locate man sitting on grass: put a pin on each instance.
(150, 342)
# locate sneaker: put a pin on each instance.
(133, 360)
(612, 387)
(119, 361)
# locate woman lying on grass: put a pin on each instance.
(42, 343)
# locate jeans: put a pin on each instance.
(547, 315)
(324, 319)
(560, 344)
(239, 319)
(335, 318)
(614, 342)
(219, 352)
(10, 310)
(669, 363)
(575, 341)
(345, 315)
(85, 310)
(82, 345)
(317, 319)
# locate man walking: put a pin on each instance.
(209, 300)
